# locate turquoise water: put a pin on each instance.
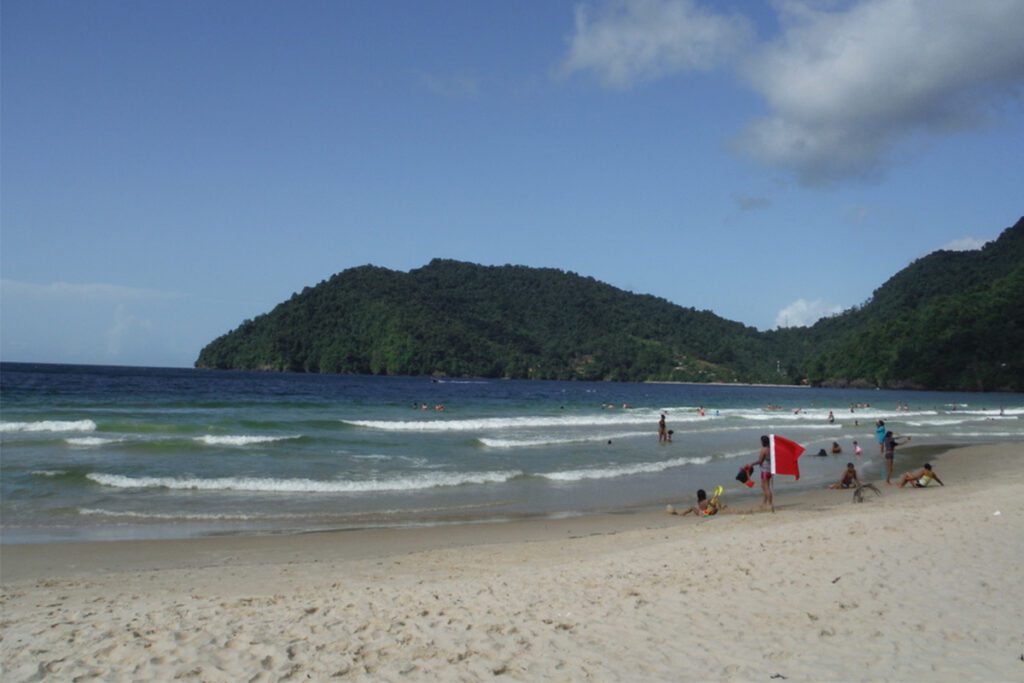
(103, 453)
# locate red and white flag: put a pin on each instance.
(785, 454)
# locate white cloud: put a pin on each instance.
(628, 41)
(965, 244)
(846, 88)
(802, 313)
(80, 291)
(849, 87)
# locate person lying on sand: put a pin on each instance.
(920, 479)
(848, 480)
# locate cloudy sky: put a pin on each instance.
(172, 168)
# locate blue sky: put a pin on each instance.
(169, 169)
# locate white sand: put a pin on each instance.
(918, 585)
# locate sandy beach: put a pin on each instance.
(909, 586)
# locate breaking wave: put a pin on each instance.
(240, 440)
(271, 485)
(49, 426)
(624, 470)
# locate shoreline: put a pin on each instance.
(25, 559)
(613, 516)
(912, 585)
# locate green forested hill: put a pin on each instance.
(949, 320)
(462, 319)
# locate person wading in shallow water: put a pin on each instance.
(662, 430)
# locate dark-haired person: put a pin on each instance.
(890, 444)
(920, 479)
(704, 507)
(849, 478)
(764, 461)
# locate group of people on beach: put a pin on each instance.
(849, 479)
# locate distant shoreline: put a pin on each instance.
(729, 384)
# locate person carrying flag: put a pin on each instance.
(778, 456)
(764, 462)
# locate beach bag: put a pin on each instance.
(744, 476)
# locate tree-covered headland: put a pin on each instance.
(950, 320)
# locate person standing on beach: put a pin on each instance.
(890, 444)
(764, 461)
(662, 430)
(880, 435)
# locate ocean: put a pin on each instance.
(97, 453)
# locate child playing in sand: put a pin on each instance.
(920, 479)
(848, 480)
(703, 508)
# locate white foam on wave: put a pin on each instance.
(270, 485)
(196, 516)
(623, 470)
(491, 424)
(89, 441)
(240, 440)
(49, 426)
(1008, 413)
(549, 441)
(940, 422)
(49, 473)
(976, 435)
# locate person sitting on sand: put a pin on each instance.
(920, 479)
(849, 478)
(704, 507)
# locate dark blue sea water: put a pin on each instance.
(114, 452)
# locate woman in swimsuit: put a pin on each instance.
(764, 461)
(919, 480)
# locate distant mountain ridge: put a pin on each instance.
(950, 320)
